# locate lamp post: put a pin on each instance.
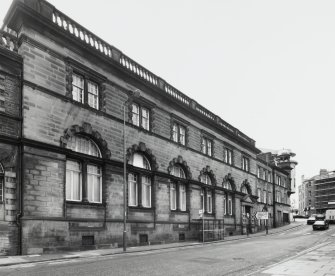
(135, 94)
(203, 216)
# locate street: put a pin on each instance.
(240, 257)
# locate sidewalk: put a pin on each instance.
(317, 261)
(15, 260)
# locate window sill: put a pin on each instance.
(138, 208)
(179, 212)
(86, 204)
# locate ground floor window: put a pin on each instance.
(207, 202)
(139, 190)
(78, 173)
(178, 196)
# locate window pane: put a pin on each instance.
(1, 187)
(209, 147)
(224, 206)
(182, 197)
(146, 191)
(175, 133)
(230, 207)
(73, 180)
(209, 202)
(135, 115)
(83, 145)
(203, 145)
(145, 118)
(94, 183)
(202, 197)
(182, 135)
(173, 198)
(78, 88)
(140, 161)
(132, 190)
(93, 94)
(178, 172)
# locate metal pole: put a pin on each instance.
(124, 182)
(203, 218)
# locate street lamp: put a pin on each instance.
(202, 194)
(134, 94)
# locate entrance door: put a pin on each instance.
(248, 214)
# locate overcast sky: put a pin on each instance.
(266, 67)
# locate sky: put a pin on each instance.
(266, 67)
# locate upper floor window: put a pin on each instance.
(207, 146)
(139, 184)
(264, 196)
(179, 133)
(269, 198)
(259, 195)
(140, 116)
(278, 196)
(85, 91)
(79, 172)
(278, 180)
(245, 164)
(228, 156)
(269, 179)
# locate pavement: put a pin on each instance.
(26, 259)
(316, 261)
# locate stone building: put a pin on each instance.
(64, 175)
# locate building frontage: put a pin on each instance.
(317, 193)
(76, 109)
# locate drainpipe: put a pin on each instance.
(19, 183)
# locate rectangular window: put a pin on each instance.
(206, 146)
(228, 156)
(182, 197)
(80, 86)
(264, 196)
(245, 164)
(269, 198)
(73, 180)
(146, 192)
(132, 190)
(173, 197)
(94, 183)
(209, 202)
(230, 206)
(269, 177)
(140, 116)
(179, 133)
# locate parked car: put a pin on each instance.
(320, 224)
(311, 220)
(320, 217)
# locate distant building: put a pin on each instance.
(67, 97)
(317, 194)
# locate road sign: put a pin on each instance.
(262, 215)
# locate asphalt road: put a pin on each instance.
(241, 257)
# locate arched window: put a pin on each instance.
(206, 179)
(139, 183)
(227, 185)
(2, 172)
(140, 161)
(178, 171)
(178, 190)
(83, 145)
(83, 176)
(207, 194)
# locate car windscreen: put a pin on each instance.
(319, 222)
